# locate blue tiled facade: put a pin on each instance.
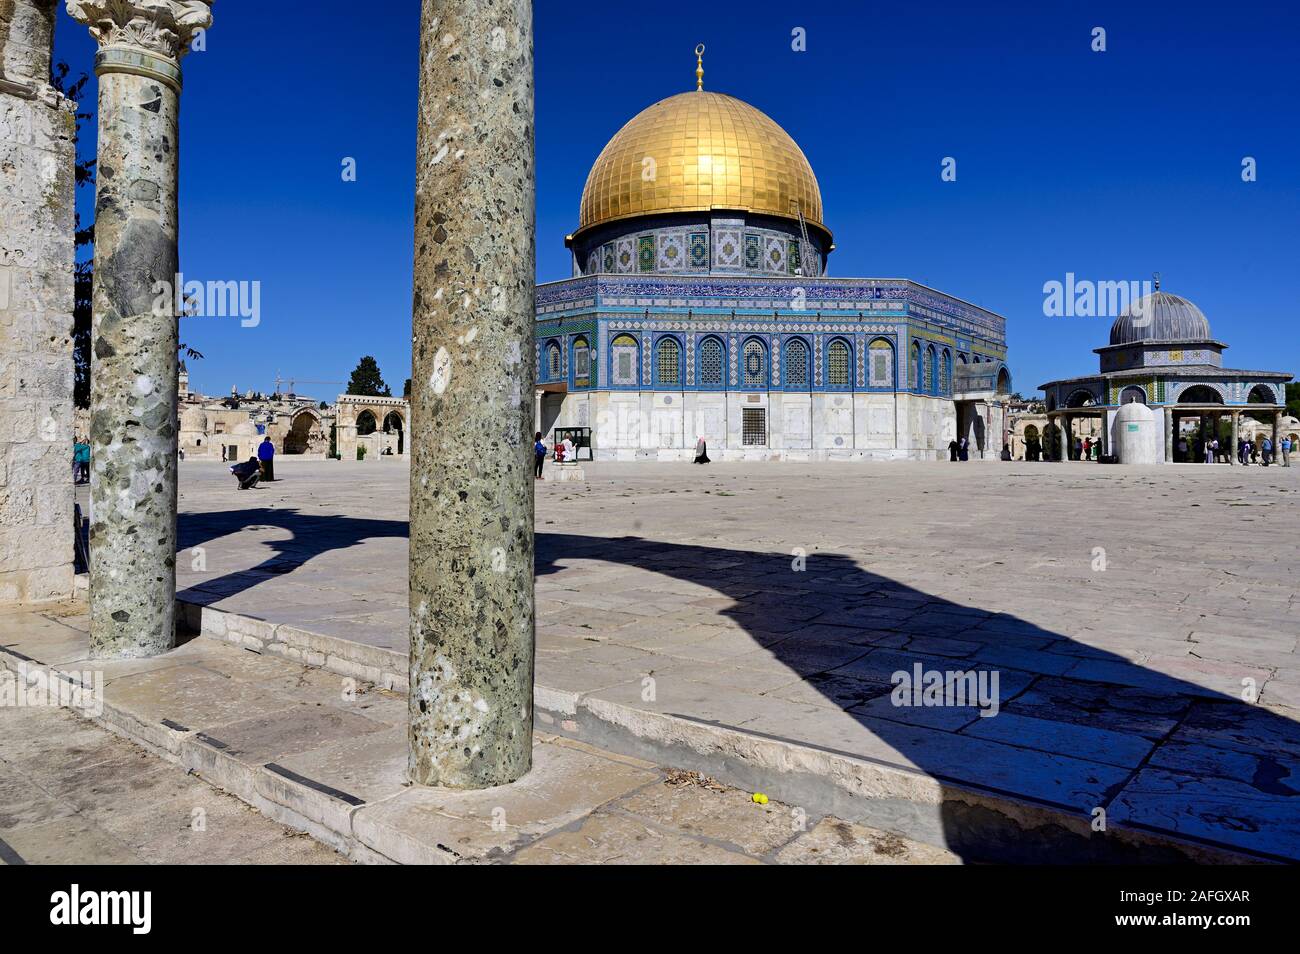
(833, 328)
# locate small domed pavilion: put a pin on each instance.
(1162, 354)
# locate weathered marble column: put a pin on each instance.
(471, 560)
(134, 334)
(36, 297)
(1276, 456)
(1169, 435)
(1236, 436)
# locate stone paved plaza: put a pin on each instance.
(778, 599)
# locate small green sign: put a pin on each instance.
(1132, 428)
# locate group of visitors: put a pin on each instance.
(565, 451)
(1262, 451)
(261, 466)
(958, 450)
(1086, 448)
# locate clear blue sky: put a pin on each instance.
(1109, 165)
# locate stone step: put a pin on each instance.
(825, 770)
(326, 754)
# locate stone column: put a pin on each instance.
(471, 564)
(1169, 435)
(1277, 426)
(1063, 431)
(1236, 436)
(37, 129)
(134, 334)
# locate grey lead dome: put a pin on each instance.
(1160, 316)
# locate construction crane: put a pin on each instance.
(806, 252)
(294, 382)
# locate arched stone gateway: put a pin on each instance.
(306, 434)
(375, 427)
(395, 426)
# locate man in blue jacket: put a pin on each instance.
(266, 457)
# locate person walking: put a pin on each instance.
(1266, 451)
(953, 448)
(81, 462)
(963, 450)
(266, 456)
(701, 451)
(1286, 451)
(539, 455)
(1087, 448)
(1209, 451)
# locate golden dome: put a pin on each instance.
(699, 151)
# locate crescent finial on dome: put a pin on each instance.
(699, 67)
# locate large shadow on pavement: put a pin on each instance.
(1077, 728)
(310, 535)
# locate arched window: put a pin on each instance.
(581, 362)
(668, 367)
(918, 373)
(882, 364)
(796, 363)
(623, 361)
(366, 423)
(553, 363)
(1004, 381)
(712, 362)
(931, 371)
(945, 373)
(838, 364)
(754, 364)
(1133, 395)
(1260, 394)
(1200, 394)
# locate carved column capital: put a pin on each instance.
(161, 28)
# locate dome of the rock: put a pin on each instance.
(695, 152)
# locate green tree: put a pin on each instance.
(1293, 400)
(366, 379)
